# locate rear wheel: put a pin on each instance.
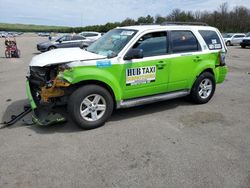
(203, 88)
(90, 106)
(51, 48)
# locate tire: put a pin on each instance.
(7, 54)
(18, 53)
(51, 48)
(243, 46)
(84, 102)
(203, 88)
(228, 43)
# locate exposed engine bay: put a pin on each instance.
(45, 85)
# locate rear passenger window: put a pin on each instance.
(184, 41)
(239, 36)
(211, 38)
(77, 38)
(92, 35)
(153, 44)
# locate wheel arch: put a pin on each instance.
(210, 70)
(201, 71)
(53, 46)
(103, 84)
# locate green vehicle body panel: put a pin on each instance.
(172, 74)
(110, 76)
(29, 95)
(220, 74)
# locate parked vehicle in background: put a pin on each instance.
(233, 38)
(65, 41)
(246, 41)
(3, 34)
(11, 48)
(42, 34)
(91, 35)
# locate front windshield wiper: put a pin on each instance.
(111, 55)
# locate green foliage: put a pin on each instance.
(235, 20)
(32, 28)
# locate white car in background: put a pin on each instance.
(3, 34)
(91, 35)
(233, 38)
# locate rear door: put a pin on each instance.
(77, 41)
(186, 55)
(149, 75)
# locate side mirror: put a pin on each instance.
(134, 54)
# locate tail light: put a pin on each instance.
(222, 59)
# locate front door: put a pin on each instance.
(149, 75)
(65, 42)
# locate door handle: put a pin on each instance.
(197, 59)
(160, 64)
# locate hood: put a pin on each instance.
(248, 38)
(64, 55)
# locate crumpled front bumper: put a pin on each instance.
(42, 115)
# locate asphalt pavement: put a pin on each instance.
(168, 144)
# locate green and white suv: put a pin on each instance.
(128, 66)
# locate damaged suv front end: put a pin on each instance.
(47, 84)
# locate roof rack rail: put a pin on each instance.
(185, 23)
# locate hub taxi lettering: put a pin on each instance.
(141, 75)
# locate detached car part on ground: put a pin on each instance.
(128, 66)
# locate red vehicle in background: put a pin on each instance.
(11, 48)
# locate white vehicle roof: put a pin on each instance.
(142, 28)
(239, 34)
(90, 32)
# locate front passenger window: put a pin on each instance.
(153, 44)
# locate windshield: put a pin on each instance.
(248, 34)
(112, 42)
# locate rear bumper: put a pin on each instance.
(221, 73)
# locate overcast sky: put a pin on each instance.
(90, 12)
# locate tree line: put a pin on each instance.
(234, 20)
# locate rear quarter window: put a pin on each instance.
(212, 39)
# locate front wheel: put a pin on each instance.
(7, 54)
(203, 88)
(228, 43)
(51, 48)
(90, 106)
